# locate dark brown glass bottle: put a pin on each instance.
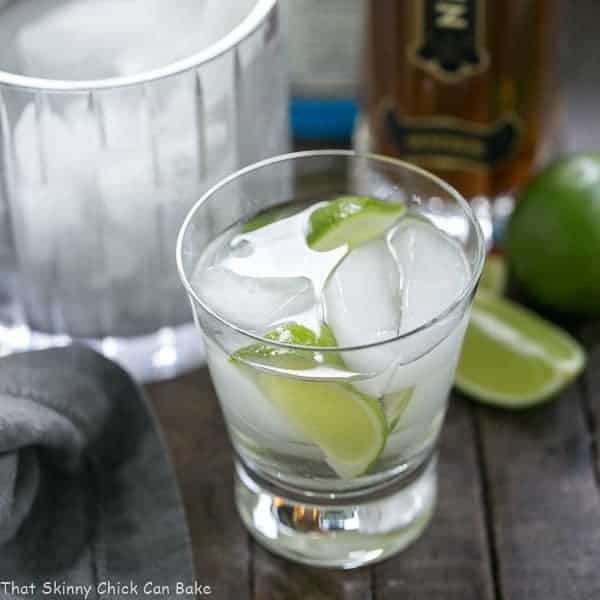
(462, 87)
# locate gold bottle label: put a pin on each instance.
(450, 143)
(448, 43)
(449, 38)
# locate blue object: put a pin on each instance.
(326, 118)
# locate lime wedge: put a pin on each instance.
(294, 333)
(394, 406)
(494, 275)
(349, 427)
(351, 220)
(513, 358)
(292, 358)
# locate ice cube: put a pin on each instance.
(254, 303)
(434, 271)
(432, 376)
(243, 402)
(365, 285)
(183, 29)
(385, 288)
(75, 40)
(362, 304)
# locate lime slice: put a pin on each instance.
(553, 236)
(394, 406)
(494, 275)
(512, 357)
(349, 427)
(294, 333)
(292, 358)
(351, 220)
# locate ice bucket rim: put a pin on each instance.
(253, 20)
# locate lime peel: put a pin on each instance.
(349, 427)
(351, 220)
(395, 404)
(292, 358)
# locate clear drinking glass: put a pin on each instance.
(287, 493)
(115, 116)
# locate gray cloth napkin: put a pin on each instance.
(87, 492)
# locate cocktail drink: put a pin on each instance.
(332, 291)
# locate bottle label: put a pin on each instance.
(449, 38)
(453, 143)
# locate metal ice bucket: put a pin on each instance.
(115, 116)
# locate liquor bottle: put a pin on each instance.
(462, 87)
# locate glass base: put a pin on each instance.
(337, 530)
(160, 355)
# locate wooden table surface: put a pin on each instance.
(518, 514)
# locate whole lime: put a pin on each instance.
(553, 238)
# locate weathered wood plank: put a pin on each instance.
(545, 506)
(278, 579)
(190, 416)
(590, 385)
(451, 560)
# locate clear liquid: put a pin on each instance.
(260, 279)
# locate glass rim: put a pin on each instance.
(467, 291)
(248, 25)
